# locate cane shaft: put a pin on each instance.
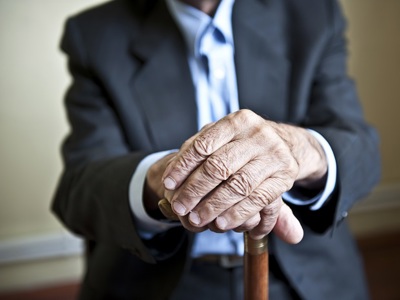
(255, 268)
(255, 260)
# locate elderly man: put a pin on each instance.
(241, 115)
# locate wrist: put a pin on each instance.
(315, 164)
(310, 156)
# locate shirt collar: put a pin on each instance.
(193, 23)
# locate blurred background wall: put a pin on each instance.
(35, 250)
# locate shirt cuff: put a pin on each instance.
(147, 226)
(318, 200)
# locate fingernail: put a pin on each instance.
(179, 208)
(169, 183)
(221, 222)
(194, 218)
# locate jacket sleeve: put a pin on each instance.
(335, 112)
(92, 195)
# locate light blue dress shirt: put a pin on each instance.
(210, 53)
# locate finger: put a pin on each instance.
(169, 183)
(167, 211)
(186, 224)
(239, 186)
(214, 228)
(216, 169)
(249, 224)
(288, 227)
(196, 151)
(263, 196)
(269, 216)
(259, 182)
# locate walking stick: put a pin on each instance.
(255, 260)
(255, 268)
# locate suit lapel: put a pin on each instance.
(162, 85)
(262, 66)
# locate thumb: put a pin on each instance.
(287, 227)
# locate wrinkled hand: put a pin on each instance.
(231, 175)
(153, 189)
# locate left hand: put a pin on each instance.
(231, 175)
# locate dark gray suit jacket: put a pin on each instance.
(132, 94)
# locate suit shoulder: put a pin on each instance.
(314, 11)
(106, 13)
(314, 17)
(115, 21)
(95, 34)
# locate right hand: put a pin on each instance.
(231, 175)
(154, 183)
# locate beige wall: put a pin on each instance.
(33, 80)
(374, 44)
(32, 123)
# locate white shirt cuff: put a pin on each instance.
(319, 200)
(146, 225)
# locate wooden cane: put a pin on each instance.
(255, 260)
(255, 268)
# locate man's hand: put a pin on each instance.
(231, 175)
(153, 190)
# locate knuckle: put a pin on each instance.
(241, 213)
(240, 184)
(211, 208)
(262, 196)
(246, 114)
(243, 116)
(195, 190)
(265, 131)
(202, 146)
(185, 164)
(217, 168)
(231, 121)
